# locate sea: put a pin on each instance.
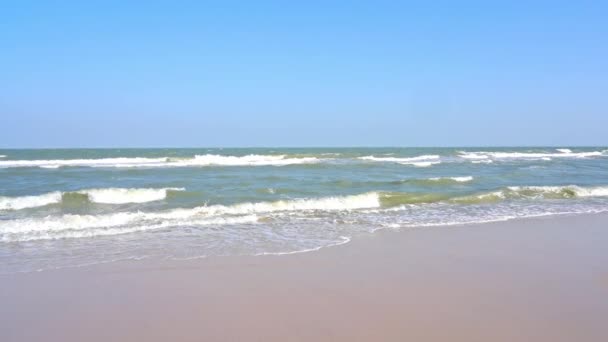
(76, 207)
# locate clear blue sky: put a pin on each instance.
(303, 73)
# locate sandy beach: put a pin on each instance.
(542, 279)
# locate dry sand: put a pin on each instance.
(543, 279)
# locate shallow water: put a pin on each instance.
(61, 208)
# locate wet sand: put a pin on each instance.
(543, 279)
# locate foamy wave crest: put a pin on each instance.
(249, 160)
(563, 153)
(82, 227)
(463, 179)
(419, 161)
(2, 156)
(23, 202)
(198, 160)
(367, 200)
(121, 196)
(11, 230)
(107, 195)
(103, 162)
(472, 155)
(534, 192)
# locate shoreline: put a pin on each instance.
(541, 279)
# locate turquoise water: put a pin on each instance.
(63, 208)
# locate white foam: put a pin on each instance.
(115, 230)
(121, 196)
(564, 150)
(598, 191)
(103, 162)
(126, 220)
(422, 164)
(343, 240)
(419, 161)
(106, 195)
(472, 155)
(563, 153)
(198, 160)
(463, 179)
(2, 156)
(23, 202)
(402, 160)
(366, 200)
(249, 160)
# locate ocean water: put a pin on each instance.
(72, 207)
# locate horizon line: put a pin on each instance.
(293, 146)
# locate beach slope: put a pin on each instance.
(542, 279)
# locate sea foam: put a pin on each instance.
(11, 230)
(23, 202)
(120, 195)
(419, 161)
(534, 192)
(197, 160)
(106, 195)
(462, 179)
(563, 153)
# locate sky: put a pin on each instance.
(303, 73)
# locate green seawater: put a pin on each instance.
(70, 207)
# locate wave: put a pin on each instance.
(397, 199)
(393, 199)
(2, 156)
(249, 160)
(72, 225)
(197, 160)
(82, 226)
(419, 161)
(103, 162)
(562, 153)
(106, 195)
(23, 202)
(433, 181)
(533, 192)
(452, 179)
(122, 196)
(126, 222)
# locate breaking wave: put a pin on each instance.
(480, 156)
(121, 196)
(463, 179)
(23, 202)
(419, 161)
(127, 222)
(72, 225)
(82, 226)
(533, 192)
(434, 181)
(107, 195)
(197, 160)
(249, 160)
